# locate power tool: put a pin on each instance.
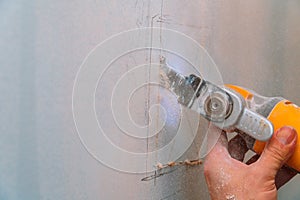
(235, 109)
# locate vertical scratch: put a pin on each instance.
(146, 95)
(161, 16)
(160, 26)
(158, 90)
(148, 87)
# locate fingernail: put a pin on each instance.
(286, 135)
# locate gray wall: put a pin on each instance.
(255, 44)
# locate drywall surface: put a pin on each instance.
(43, 44)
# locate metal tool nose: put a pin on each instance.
(217, 106)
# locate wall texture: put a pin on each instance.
(255, 44)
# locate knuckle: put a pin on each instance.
(277, 153)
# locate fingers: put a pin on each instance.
(284, 175)
(277, 151)
(237, 148)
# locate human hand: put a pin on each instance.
(259, 178)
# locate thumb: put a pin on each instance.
(278, 151)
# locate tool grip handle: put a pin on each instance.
(285, 113)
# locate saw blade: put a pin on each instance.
(177, 83)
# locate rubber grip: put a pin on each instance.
(284, 113)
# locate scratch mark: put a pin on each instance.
(171, 167)
(148, 88)
(158, 91)
(147, 103)
(166, 20)
(161, 15)
(157, 173)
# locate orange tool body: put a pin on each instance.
(280, 112)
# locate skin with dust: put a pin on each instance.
(228, 178)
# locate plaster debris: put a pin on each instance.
(162, 169)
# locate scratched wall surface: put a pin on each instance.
(254, 43)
